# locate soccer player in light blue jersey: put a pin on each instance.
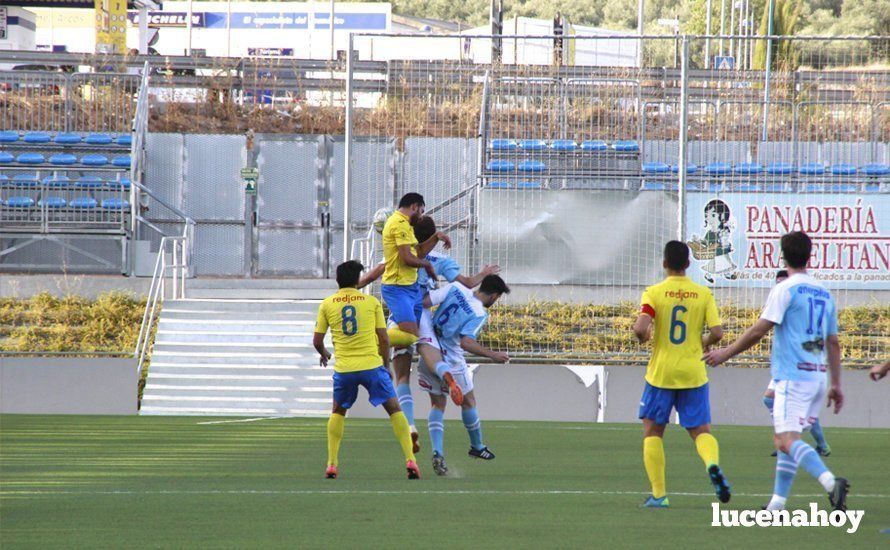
(805, 345)
(452, 330)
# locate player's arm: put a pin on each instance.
(751, 336)
(428, 245)
(476, 280)
(643, 325)
(714, 324)
(372, 275)
(835, 396)
(714, 335)
(408, 258)
(879, 371)
(470, 345)
(321, 328)
(382, 336)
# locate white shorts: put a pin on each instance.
(432, 384)
(427, 335)
(797, 404)
(771, 386)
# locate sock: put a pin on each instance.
(708, 450)
(768, 401)
(786, 469)
(335, 435)
(403, 434)
(399, 338)
(653, 459)
(441, 368)
(806, 456)
(406, 401)
(816, 430)
(473, 426)
(437, 429)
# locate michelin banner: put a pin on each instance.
(734, 237)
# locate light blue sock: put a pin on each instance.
(768, 401)
(816, 430)
(807, 457)
(786, 469)
(437, 429)
(441, 368)
(473, 426)
(406, 401)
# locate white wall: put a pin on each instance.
(20, 35)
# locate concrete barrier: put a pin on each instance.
(42, 385)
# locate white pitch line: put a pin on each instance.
(240, 420)
(389, 492)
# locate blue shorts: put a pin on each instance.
(405, 302)
(376, 381)
(693, 405)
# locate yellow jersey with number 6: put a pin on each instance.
(353, 318)
(681, 310)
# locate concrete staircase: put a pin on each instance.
(237, 357)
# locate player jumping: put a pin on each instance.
(678, 311)
(804, 346)
(361, 348)
(769, 396)
(444, 337)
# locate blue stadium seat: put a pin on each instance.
(718, 168)
(4, 178)
(19, 202)
(30, 158)
(124, 139)
(656, 168)
(6, 158)
(774, 187)
(36, 137)
(529, 185)
(780, 168)
(98, 139)
(533, 145)
(122, 161)
(563, 145)
(626, 145)
(84, 203)
(62, 159)
(532, 166)
(748, 168)
(872, 188)
(115, 204)
(690, 168)
(90, 182)
(67, 138)
(594, 145)
(499, 185)
(500, 166)
(653, 186)
(94, 160)
(7, 136)
(875, 169)
(503, 145)
(123, 182)
(812, 169)
(25, 180)
(715, 187)
(56, 181)
(842, 188)
(748, 187)
(842, 169)
(53, 202)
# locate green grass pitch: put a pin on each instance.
(99, 482)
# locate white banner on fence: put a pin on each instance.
(735, 238)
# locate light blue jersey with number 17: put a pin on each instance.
(805, 316)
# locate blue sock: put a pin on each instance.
(768, 401)
(441, 368)
(786, 469)
(807, 457)
(437, 429)
(406, 401)
(816, 430)
(474, 427)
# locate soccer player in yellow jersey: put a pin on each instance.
(361, 351)
(403, 255)
(674, 314)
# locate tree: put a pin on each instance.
(785, 19)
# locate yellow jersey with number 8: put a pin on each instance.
(353, 318)
(681, 310)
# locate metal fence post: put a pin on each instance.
(684, 126)
(347, 153)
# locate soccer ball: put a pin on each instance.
(380, 218)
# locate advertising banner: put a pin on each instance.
(111, 26)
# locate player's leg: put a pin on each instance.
(345, 393)
(381, 392)
(401, 363)
(822, 446)
(470, 416)
(769, 397)
(401, 301)
(430, 383)
(694, 410)
(432, 355)
(655, 411)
